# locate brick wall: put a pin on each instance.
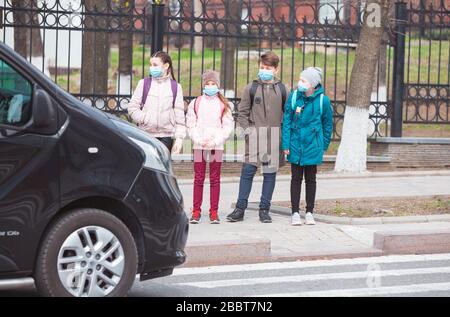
(186, 169)
(413, 152)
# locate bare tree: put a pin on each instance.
(27, 35)
(198, 40)
(95, 52)
(233, 11)
(125, 70)
(352, 152)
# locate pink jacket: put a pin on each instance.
(158, 117)
(208, 123)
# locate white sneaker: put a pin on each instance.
(309, 219)
(295, 219)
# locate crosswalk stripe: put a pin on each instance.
(385, 290)
(315, 277)
(307, 264)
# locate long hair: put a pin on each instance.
(225, 101)
(165, 58)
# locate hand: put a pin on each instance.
(177, 146)
(286, 152)
(210, 144)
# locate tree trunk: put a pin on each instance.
(37, 47)
(95, 54)
(125, 49)
(352, 152)
(21, 34)
(28, 40)
(198, 40)
(227, 64)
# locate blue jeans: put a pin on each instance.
(245, 187)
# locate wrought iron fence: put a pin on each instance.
(99, 49)
(229, 36)
(427, 61)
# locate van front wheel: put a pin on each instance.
(86, 253)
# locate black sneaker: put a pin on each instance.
(236, 215)
(264, 216)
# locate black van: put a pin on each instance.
(87, 201)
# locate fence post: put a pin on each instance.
(399, 68)
(157, 27)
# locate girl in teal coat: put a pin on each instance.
(307, 128)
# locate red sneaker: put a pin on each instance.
(214, 217)
(195, 217)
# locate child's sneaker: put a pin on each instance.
(309, 219)
(214, 217)
(195, 217)
(295, 219)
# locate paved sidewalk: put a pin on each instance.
(331, 187)
(251, 241)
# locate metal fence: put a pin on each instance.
(229, 36)
(426, 90)
(99, 49)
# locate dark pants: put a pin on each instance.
(167, 141)
(245, 187)
(297, 171)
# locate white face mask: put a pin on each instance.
(303, 87)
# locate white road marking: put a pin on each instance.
(315, 277)
(386, 290)
(307, 264)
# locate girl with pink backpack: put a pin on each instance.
(209, 122)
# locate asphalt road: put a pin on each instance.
(407, 275)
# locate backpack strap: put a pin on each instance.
(283, 95)
(253, 89)
(196, 105)
(147, 85)
(294, 99)
(321, 104)
(174, 86)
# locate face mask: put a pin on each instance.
(156, 71)
(302, 87)
(265, 74)
(211, 91)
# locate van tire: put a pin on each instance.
(46, 274)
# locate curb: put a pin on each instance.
(233, 252)
(184, 181)
(228, 252)
(284, 211)
(329, 255)
(413, 241)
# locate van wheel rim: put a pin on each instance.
(91, 262)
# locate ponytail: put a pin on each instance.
(225, 101)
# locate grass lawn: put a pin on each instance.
(380, 207)
(189, 66)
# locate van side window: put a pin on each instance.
(15, 97)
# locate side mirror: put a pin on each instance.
(44, 111)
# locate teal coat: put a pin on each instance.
(307, 134)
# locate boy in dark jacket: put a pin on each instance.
(260, 114)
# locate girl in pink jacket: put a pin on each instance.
(209, 122)
(157, 104)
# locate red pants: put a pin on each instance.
(215, 163)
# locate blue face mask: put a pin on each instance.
(302, 87)
(211, 91)
(265, 74)
(156, 71)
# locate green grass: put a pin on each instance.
(338, 66)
